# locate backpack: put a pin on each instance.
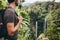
(1, 22)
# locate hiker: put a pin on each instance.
(11, 21)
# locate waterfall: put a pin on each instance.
(36, 28)
(45, 25)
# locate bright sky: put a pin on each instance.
(40, 0)
(32, 1)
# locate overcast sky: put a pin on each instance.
(32, 1)
(40, 0)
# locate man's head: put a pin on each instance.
(11, 1)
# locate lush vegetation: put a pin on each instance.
(38, 12)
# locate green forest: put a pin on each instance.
(47, 16)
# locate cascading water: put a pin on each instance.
(45, 25)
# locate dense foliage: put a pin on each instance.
(53, 26)
(38, 12)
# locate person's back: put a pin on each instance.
(10, 16)
(11, 21)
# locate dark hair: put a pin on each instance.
(10, 1)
